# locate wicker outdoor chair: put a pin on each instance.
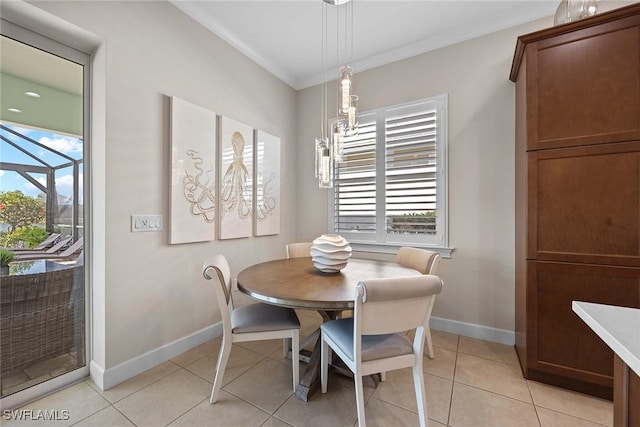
(41, 316)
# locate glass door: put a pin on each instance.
(43, 304)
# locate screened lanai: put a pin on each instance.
(45, 170)
(41, 128)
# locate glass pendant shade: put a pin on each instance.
(337, 132)
(329, 146)
(324, 163)
(352, 116)
(344, 89)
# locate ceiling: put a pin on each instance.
(285, 37)
(28, 63)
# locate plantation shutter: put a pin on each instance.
(390, 189)
(355, 183)
(411, 170)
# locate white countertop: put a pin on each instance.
(618, 327)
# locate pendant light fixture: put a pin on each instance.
(329, 146)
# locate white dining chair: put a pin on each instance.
(253, 322)
(426, 262)
(374, 339)
(298, 250)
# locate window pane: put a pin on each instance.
(355, 185)
(411, 173)
(391, 187)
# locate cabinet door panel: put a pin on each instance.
(585, 86)
(585, 204)
(559, 342)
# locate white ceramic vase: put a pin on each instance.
(330, 253)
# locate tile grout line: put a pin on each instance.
(185, 412)
(453, 380)
(535, 407)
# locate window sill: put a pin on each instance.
(392, 248)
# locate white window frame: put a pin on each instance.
(380, 241)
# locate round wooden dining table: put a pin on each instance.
(296, 283)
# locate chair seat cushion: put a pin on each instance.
(261, 317)
(374, 347)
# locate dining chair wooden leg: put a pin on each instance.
(223, 358)
(357, 378)
(421, 396)
(286, 347)
(325, 353)
(295, 359)
(427, 333)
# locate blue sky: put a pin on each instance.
(68, 145)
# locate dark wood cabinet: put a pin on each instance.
(577, 192)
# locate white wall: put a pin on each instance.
(154, 293)
(479, 277)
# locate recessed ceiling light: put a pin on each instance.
(32, 94)
(15, 110)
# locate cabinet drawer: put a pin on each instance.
(583, 87)
(584, 204)
(558, 341)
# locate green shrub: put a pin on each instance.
(20, 210)
(6, 256)
(29, 236)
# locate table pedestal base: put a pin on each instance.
(310, 380)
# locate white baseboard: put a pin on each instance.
(487, 333)
(107, 378)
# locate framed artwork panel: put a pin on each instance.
(193, 173)
(236, 179)
(267, 190)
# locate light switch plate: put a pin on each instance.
(146, 223)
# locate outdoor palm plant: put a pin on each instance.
(6, 256)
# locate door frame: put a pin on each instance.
(31, 25)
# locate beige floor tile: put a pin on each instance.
(488, 350)
(265, 348)
(568, 402)
(267, 385)
(277, 356)
(14, 379)
(122, 390)
(336, 408)
(274, 422)
(227, 411)
(549, 418)
(6, 389)
(472, 407)
(165, 400)
(78, 401)
(346, 380)
(198, 352)
(240, 360)
(445, 339)
(383, 414)
(490, 375)
(53, 367)
(109, 416)
(399, 390)
(442, 365)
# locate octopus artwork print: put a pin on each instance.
(267, 208)
(236, 183)
(193, 172)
